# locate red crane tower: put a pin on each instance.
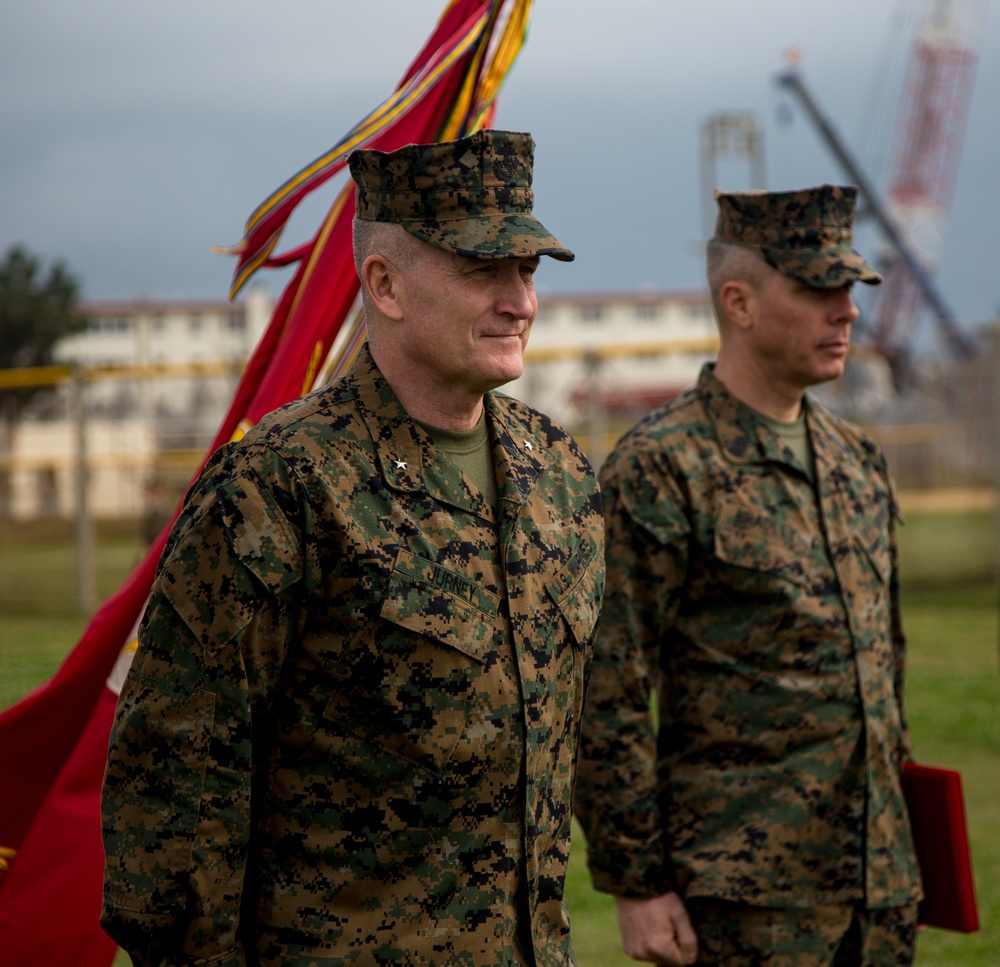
(926, 150)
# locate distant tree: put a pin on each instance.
(36, 310)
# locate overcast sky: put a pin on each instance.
(136, 135)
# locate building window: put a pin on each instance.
(195, 324)
(237, 322)
(109, 325)
(646, 313)
(592, 313)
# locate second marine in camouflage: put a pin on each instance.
(752, 583)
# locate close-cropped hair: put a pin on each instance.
(726, 262)
(387, 238)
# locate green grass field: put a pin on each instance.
(951, 614)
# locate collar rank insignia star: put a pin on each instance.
(400, 464)
(527, 445)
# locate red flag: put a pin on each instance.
(52, 895)
(53, 743)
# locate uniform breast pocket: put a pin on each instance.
(874, 540)
(577, 589)
(415, 674)
(760, 545)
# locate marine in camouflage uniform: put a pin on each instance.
(349, 732)
(753, 584)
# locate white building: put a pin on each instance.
(608, 355)
(629, 350)
(624, 352)
(142, 331)
(199, 347)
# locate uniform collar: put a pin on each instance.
(519, 452)
(746, 439)
(403, 448)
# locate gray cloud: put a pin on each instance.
(136, 136)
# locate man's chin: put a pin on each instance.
(832, 368)
(503, 372)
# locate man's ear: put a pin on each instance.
(381, 280)
(736, 300)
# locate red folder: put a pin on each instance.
(936, 806)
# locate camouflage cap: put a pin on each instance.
(804, 234)
(472, 197)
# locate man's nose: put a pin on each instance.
(517, 295)
(844, 309)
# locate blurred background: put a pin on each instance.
(136, 137)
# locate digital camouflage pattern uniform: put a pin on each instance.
(348, 735)
(768, 622)
(762, 606)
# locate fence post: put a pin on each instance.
(86, 590)
(597, 423)
(7, 410)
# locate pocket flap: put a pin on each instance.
(434, 600)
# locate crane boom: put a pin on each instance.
(907, 257)
(792, 79)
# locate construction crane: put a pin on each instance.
(926, 149)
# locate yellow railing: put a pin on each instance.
(54, 375)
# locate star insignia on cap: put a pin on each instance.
(528, 445)
(400, 464)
